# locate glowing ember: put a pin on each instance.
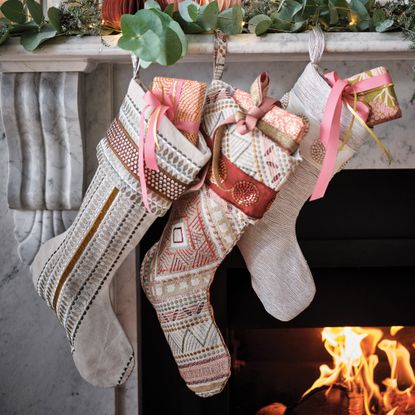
(353, 350)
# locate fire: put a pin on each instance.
(355, 359)
(402, 379)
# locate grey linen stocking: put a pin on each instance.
(280, 274)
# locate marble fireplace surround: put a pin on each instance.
(57, 102)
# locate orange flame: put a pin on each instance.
(401, 382)
(353, 351)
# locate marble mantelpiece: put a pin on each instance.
(99, 76)
(83, 54)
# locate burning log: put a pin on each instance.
(325, 400)
(402, 402)
(356, 403)
(348, 386)
(273, 409)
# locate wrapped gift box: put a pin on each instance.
(382, 101)
(188, 106)
(286, 129)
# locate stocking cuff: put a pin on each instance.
(313, 91)
(178, 160)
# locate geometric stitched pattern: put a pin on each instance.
(254, 153)
(73, 273)
(179, 238)
(202, 229)
(128, 153)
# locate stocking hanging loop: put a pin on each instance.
(219, 54)
(316, 44)
(136, 65)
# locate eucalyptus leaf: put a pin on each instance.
(4, 30)
(35, 10)
(378, 17)
(148, 46)
(259, 24)
(289, 9)
(190, 28)
(230, 20)
(297, 26)
(152, 4)
(19, 29)
(280, 25)
(171, 48)
(334, 15)
(175, 26)
(32, 39)
(309, 8)
(134, 27)
(14, 11)
(342, 7)
(208, 16)
(55, 18)
(363, 15)
(189, 11)
(153, 36)
(386, 25)
(169, 9)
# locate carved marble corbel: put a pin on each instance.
(41, 120)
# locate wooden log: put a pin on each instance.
(273, 409)
(322, 401)
(404, 403)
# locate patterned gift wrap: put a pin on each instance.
(188, 106)
(284, 128)
(382, 101)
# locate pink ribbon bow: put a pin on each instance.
(161, 105)
(262, 104)
(245, 122)
(342, 92)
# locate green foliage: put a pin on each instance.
(160, 36)
(35, 10)
(13, 10)
(31, 39)
(25, 19)
(201, 19)
(80, 17)
(259, 24)
(230, 21)
(402, 13)
(153, 36)
(298, 15)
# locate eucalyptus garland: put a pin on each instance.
(156, 35)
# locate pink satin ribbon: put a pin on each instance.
(245, 122)
(161, 105)
(342, 92)
(262, 105)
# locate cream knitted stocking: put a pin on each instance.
(73, 271)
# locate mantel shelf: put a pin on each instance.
(83, 54)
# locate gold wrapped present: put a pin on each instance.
(382, 101)
(187, 98)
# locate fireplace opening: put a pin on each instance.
(336, 370)
(359, 245)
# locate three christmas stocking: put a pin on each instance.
(252, 141)
(333, 108)
(145, 163)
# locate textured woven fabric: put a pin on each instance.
(188, 106)
(202, 229)
(73, 272)
(280, 274)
